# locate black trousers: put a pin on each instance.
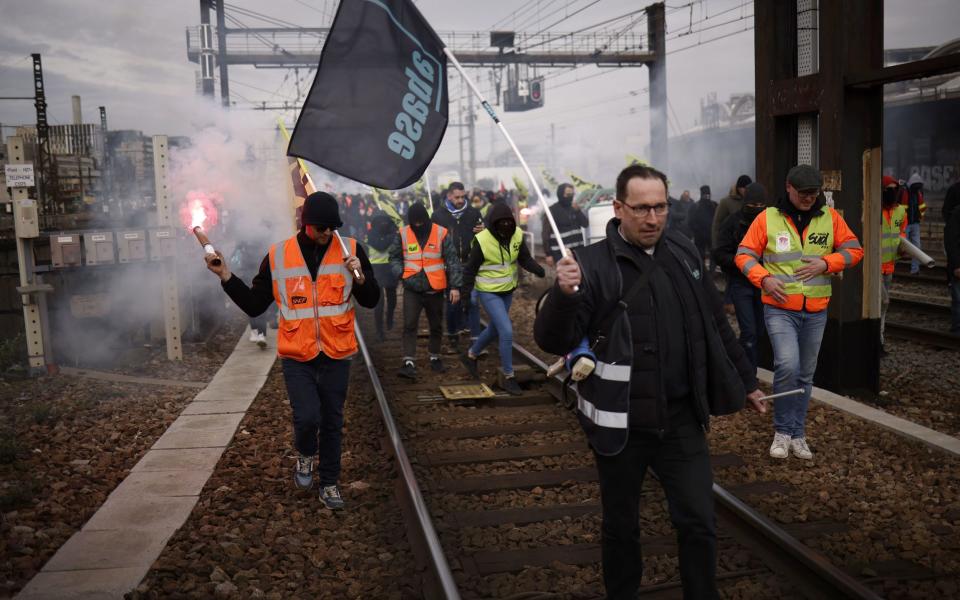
(386, 305)
(317, 390)
(681, 461)
(413, 303)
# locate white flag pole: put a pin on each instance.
(426, 184)
(496, 119)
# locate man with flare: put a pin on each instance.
(313, 283)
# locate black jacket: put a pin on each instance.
(460, 229)
(569, 223)
(256, 299)
(951, 242)
(729, 235)
(719, 373)
(700, 221)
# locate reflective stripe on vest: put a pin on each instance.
(498, 272)
(571, 239)
(429, 259)
(602, 418)
(784, 252)
(890, 234)
(315, 316)
(377, 257)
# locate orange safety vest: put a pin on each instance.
(429, 259)
(316, 316)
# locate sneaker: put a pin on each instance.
(303, 474)
(436, 365)
(800, 449)
(453, 341)
(470, 364)
(780, 446)
(511, 386)
(253, 336)
(408, 370)
(261, 340)
(330, 496)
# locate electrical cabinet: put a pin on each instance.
(65, 250)
(131, 246)
(162, 243)
(99, 247)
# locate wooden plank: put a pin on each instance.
(118, 378)
(480, 413)
(507, 453)
(520, 516)
(462, 433)
(506, 561)
(467, 485)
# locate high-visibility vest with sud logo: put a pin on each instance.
(315, 316)
(428, 259)
(890, 236)
(785, 251)
(498, 272)
(377, 257)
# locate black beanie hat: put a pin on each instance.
(744, 181)
(755, 194)
(417, 212)
(704, 189)
(320, 208)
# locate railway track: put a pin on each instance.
(501, 496)
(910, 304)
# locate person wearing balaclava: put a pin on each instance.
(912, 198)
(570, 223)
(893, 228)
(426, 261)
(463, 221)
(381, 238)
(741, 293)
(312, 270)
(492, 271)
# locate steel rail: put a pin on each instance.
(922, 335)
(439, 565)
(815, 575)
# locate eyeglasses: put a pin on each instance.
(808, 193)
(644, 210)
(322, 228)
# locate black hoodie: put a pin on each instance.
(498, 212)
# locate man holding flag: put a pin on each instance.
(313, 282)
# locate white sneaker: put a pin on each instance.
(799, 448)
(780, 446)
(261, 340)
(253, 336)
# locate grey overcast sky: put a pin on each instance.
(130, 56)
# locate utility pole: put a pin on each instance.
(222, 54)
(206, 49)
(460, 131)
(472, 128)
(48, 188)
(169, 292)
(656, 27)
(20, 177)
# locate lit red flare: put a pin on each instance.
(200, 210)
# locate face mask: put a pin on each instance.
(751, 211)
(505, 229)
(889, 196)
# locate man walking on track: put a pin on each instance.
(428, 264)
(313, 283)
(493, 262)
(570, 223)
(800, 242)
(666, 360)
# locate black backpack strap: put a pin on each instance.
(621, 307)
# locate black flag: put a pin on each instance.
(377, 109)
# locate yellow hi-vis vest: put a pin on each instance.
(784, 251)
(890, 234)
(498, 272)
(378, 257)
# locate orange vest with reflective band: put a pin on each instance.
(428, 259)
(315, 316)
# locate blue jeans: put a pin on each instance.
(746, 300)
(955, 305)
(317, 390)
(498, 309)
(913, 236)
(457, 318)
(795, 336)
